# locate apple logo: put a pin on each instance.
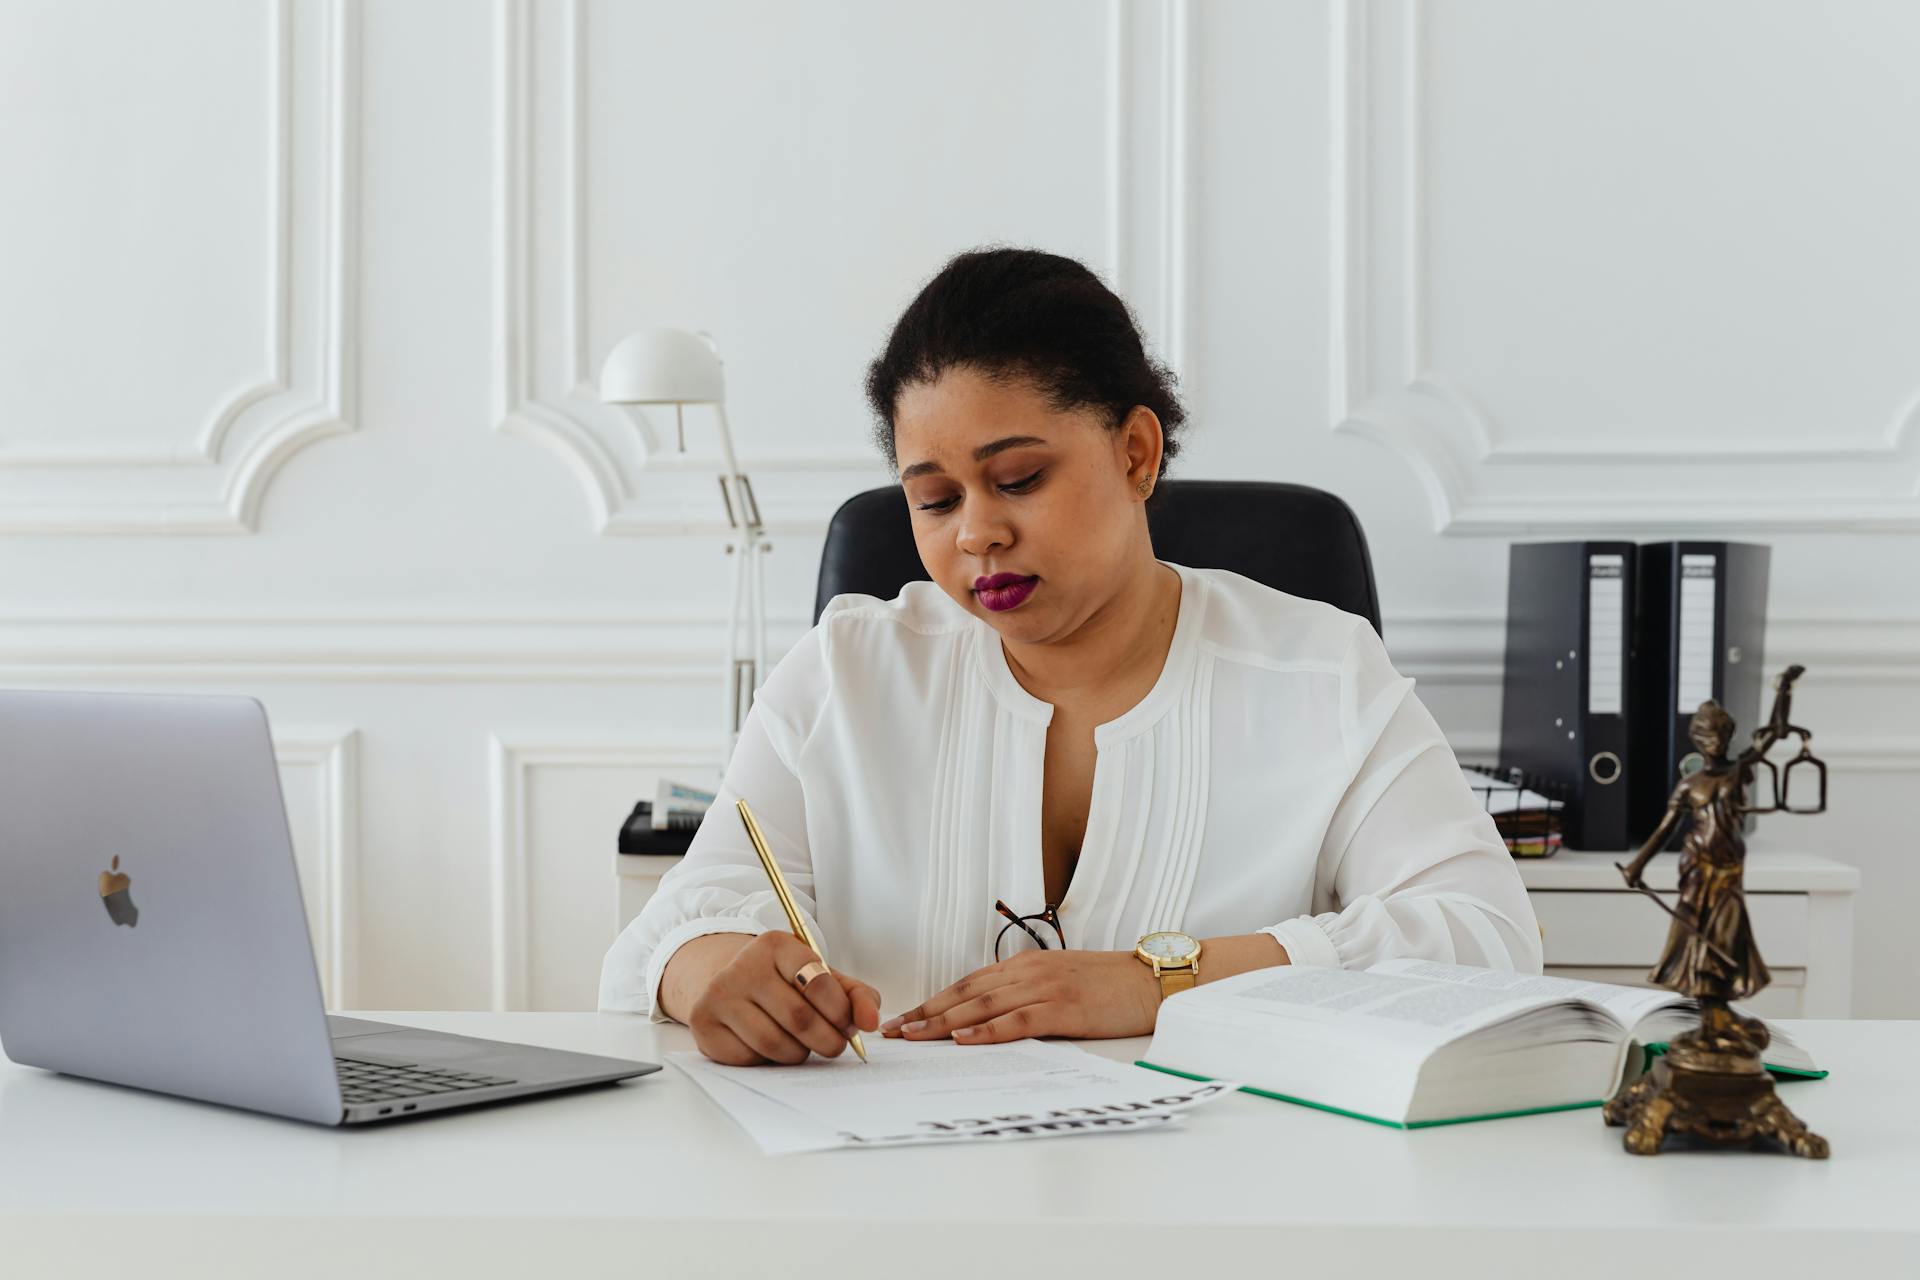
(114, 887)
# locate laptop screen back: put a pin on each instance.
(151, 926)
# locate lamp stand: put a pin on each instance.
(746, 656)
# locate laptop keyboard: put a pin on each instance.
(363, 1081)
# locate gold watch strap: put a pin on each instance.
(1173, 981)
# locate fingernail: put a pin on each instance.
(892, 1022)
(914, 1026)
(967, 1033)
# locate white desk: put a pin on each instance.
(649, 1179)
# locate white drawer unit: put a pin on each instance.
(1594, 927)
(1801, 905)
(638, 875)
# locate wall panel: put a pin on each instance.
(1553, 270)
(201, 157)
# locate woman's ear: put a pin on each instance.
(1142, 444)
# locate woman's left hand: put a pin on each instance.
(1088, 995)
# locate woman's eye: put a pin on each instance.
(1012, 486)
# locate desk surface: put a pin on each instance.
(97, 1179)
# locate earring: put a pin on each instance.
(1145, 487)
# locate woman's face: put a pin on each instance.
(1028, 516)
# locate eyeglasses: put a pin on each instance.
(1050, 917)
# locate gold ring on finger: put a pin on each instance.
(812, 970)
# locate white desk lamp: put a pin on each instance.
(671, 366)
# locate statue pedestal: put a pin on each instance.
(1710, 1085)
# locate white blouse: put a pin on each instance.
(1279, 777)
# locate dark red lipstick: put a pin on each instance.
(1003, 591)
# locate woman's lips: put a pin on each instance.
(1004, 591)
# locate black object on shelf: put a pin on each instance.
(1700, 623)
(1529, 833)
(1564, 698)
(638, 836)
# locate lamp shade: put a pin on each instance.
(662, 366)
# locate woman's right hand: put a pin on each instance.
(752, 1013)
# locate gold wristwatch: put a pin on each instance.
(1173, 957)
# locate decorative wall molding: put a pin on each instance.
(456, 649)
(215, 484)
(1150, 169)
(1858, 650)
(1119, 139)
(1176, 179)
(544, 388)
(333, 866)
(544, 391)
(1479, 479)
(1455, 648)
(512, 759)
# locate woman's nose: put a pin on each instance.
(979, 534)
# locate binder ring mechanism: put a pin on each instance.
(1604, 768)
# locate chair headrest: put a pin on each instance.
(1293, 537)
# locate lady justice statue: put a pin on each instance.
(1710, 1082)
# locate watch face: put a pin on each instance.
(1168, 946)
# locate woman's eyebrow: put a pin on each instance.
(981, 454)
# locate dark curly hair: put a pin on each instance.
(1021, 313)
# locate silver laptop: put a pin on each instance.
(152, 932)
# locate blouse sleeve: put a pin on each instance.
(720, 886)
(1411, 864)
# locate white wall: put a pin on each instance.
(305, 299)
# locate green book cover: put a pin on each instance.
(1652, 1050)
(1361, 1115)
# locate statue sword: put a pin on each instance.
(1684, 923)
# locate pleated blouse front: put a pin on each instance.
(1279, 777)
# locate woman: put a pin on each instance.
(1100, 742)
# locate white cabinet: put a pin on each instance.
(1801, 904)
(637, 876)
(1593, 926)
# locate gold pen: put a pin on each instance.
(797, 921)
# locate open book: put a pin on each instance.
(1411, 1043)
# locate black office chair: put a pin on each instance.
(1301, 540)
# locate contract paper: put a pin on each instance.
(937, 1091)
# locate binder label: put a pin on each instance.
(1697, 638)
(1606, 634)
